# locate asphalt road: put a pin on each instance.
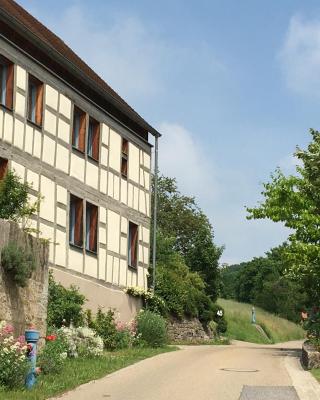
(258, 372)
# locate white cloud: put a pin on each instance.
(122, 50)
(183, 157)
(300, 56)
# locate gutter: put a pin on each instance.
(77, 72)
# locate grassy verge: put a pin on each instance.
(316, 373)
(199, 342)
(238, 316)
(82, 370)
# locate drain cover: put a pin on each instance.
(239, 370)
(268, 393)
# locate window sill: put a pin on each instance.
(76, 246)
(92, 253)
(124, 176)
(76, 150)
(90, 158)
(4, 107)
(34, 123)
(135, 268)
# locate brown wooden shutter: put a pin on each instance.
(95, 141)
(93, 228)
(9, 83)
(134, 242)
(78, 228)
(3, 167)
(82, 132)
(39, 103)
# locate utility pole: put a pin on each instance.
(155, 209)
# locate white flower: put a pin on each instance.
(220, 313)
(64, 355)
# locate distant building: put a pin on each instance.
(80, 145)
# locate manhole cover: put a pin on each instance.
(239, 370)
(269, 393)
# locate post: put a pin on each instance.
(32, 337)
(155, 207)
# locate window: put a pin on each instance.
(79, 130)
(3, 167)
(6, 82)
(124, 158)
(93, 139)
(35, 100)
(91, 227)
(76, 221)
(133, 245)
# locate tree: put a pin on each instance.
(14, 201)
(263, 282)
(180, 218)
(295, 201)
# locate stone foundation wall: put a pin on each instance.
(24, 306)
(186, 330)
(310, 357)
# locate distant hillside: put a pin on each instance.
(238, 316)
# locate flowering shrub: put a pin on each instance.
(126, 335)
(151, 301)
(13, 360)
(82, 342)
(53, 355)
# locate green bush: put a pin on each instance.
(312, 325)
(18, 263)
(104, 325)
(151, 328)
(64, 305)
(52, 357)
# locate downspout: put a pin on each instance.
(155, 209)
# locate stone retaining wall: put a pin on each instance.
(186, 330)
(24, 306)
(310, 356)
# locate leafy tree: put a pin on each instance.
(295, 201)
(263, 282)
(180, 218)
(14, 202)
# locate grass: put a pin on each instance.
(81, 370)
(199, 342)
(316, 373)
(238, 316)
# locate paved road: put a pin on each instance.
(209, 373)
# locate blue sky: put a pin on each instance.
(233, 86)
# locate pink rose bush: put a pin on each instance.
(13, 358)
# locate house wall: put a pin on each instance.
(44, 157)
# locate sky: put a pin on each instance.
(233, 86)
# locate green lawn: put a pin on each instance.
(81, 370)
(238, 316)
(316, 373)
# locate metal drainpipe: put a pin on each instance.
(155, 206)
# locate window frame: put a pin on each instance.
(94, 140)
(76, 227)
(80, 143)
(91, 228)
(124, 158)
(6, 83)
(35, 101)
(133, 236)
